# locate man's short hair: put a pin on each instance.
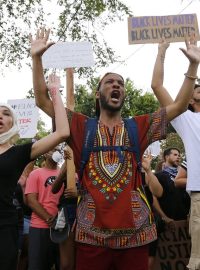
(167, 151)
(98, 88)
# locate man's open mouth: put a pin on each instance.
(115, 95)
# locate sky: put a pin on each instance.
(139, 59)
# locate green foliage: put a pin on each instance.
(173, 140)
(30, 94)
(69, 20)
(16, 18)
(136, 103)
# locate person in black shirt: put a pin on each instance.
(13, 159)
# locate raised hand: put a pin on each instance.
(40, 44)
(54, 82)
(67, 154)
(192, 52)
(70, 193)
(146, 162)
(163, 45)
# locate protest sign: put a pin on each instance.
(153, 149)
(152, 29)
(173, 250)
(68, 54)
(27, 116)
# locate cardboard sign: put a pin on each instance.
(173, 250)
(152, 29)
(68, 54)
(27, 116)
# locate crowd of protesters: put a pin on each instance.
(111, 226)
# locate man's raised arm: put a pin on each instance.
(192, 52)
(160, 91)
(38, 46)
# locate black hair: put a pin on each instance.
(98, 88)
(167, 151)
(108, 73)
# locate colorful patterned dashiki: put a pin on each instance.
(114, 211)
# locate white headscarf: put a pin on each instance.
(12, 135)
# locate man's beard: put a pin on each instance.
(108, 107)
(197, 100)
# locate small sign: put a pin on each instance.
(27, 116)
(68, 54)
(173, 251)
(153, 149)
(152, 29)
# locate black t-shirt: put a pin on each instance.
(175, 202)
(12, 164)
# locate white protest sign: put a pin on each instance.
(152, 29)
(27, 116)
(154, 149)
(68, 54)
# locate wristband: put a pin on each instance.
(191, 77)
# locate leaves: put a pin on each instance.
(136, 102)
(69, 20)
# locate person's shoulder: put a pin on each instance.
(74, 113)
(23, 146)
(158, 114)
(161, 175)
(35, 172)
(184, 165)
(185, 115)
(76, 116)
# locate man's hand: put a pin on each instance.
(53, 82)
(146, 162)
(70, 193)
(163, 45)
(170, 223)
(39, 45)
(192, 52)
(67, 154)
(50, 221)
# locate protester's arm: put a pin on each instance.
(164, 217)
(192, 52)
(38, 46)
(181, 178)
(158, 76)
(70, 89)
(62, 126)
(25, 174)
(38, 209)
(70, 193)
(152, 181)
(58, 183)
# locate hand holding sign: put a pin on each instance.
(54, 81)
(163, 45)
(146, 161)
(39, 45)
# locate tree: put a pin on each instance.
(69, 20)
(136, 102)
(173, 140)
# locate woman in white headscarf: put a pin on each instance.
(13, 159)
